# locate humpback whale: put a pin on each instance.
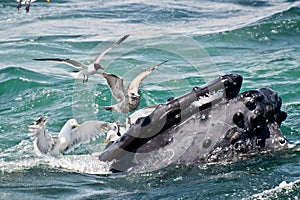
(212, 123)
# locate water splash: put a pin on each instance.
(283, 190)
(21, 157)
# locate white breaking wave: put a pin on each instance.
(283, 187)
(24, 159)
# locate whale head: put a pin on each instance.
(212, 123)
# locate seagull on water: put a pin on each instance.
(128, 99)
(68, 138)
(27, 2)
(85, 70)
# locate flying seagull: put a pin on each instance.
(128, 99)
(85, 70)
(27, 2)
(68, 138)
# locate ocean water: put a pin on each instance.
(259, 39)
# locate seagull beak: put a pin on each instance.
(77, 125)
(48, 1)
(107, 141)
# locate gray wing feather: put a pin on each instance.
(87, 131)
(109, 48)
(116, 85)
(43, 141)
(67, 61)
(133, 87)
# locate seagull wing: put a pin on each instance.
(87, 131)
(67, 61)
(43, 141)
(109, 48)
(116, 85)
(133, 87)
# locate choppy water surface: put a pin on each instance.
(200, 39)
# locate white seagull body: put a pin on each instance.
(113, 135)
(85, 70)
(68, 138)
(128, 99)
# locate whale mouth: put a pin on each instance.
(211, 123)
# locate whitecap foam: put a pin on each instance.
(85, 164)
(283, 187)
(21, 157)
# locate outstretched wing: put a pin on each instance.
(133, 87)
(116, 85)
(87, 131)
(43, 141)
(98, 58)
(67, 61)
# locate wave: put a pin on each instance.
(13, 73)
(17, 82)
(157, 18)
(21, 157)
(284, 190)
(281, 27)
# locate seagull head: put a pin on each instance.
(111, 136)
(97, 66)
(115, 127)
(134, 96)
(134, 100)
(40, 120)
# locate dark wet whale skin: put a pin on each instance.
(224, 128)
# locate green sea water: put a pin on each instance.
(200, 39)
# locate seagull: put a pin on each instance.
(68, 138)
(112, 136)
(27, 2)
(128, 100)
(85, 70)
